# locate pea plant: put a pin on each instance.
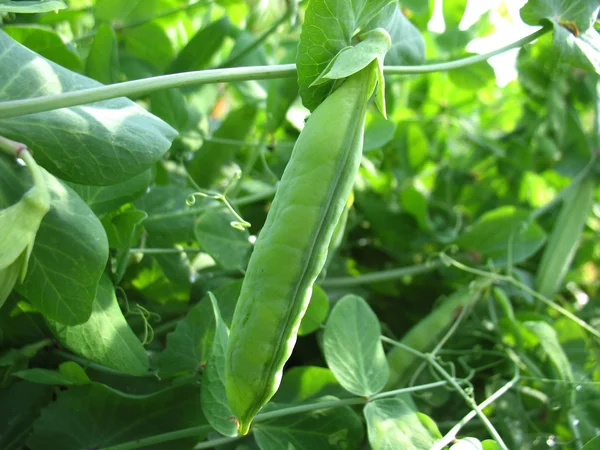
(299, 224)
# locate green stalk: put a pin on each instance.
(145, 86)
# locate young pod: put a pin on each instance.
(292, 246)
(564, 240)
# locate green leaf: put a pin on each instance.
(190, 344)
(502, 234)
(454, 12)
(47, 43)
(110, 417)
(21, 404)
(304, 383)
(574, 35)
(281, 93)
(102, 63)
(122, 230)
(468, 443)
(392, 424)
(408, 45)
(592, 444)
(31, 6)
(331, 428)
(582, 13)
(317, 311)
(167, 213)
(353, 348)
(378, 131)
(106, 337)
(328, 27)
(208, 162)
(199, 51)
(70, 250)
(103, 199)
(587, 410)
(100, 144)
(374, 44)
(227, 245)
(170, 105)
(214, 399)
(69, 374)
(474, 77)
(549, 342)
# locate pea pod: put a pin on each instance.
(292, 247)
(425, 334)
(564, 240)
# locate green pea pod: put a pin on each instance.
(292, 247)
(428, 332)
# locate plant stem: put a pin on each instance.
(464, 62)
(263, 37)
(384, 275)
(137, 88)
(247, 200)
(476, 409)
(160, 438)
(163, 251)
(451, 435)
(93, 365)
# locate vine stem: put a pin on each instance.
(195, 431)
(384, 275)
(140, 87)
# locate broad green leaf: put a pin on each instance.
(208, 162)
(316, 313)
(503, 234)
(21, 404)
(253, 91)
(199, 51)
(305, 383)
(592, 444)
(214, 399)
(281, 93)
(489, 444)
(331, 428)
(102, 63)
(168, 212)
(104, 199)
(69, 374)
(189, 346)
(353, 348)
(408, 45)
(110, 417)
(549, 342)
(106, 337)
(101, 143)
(582, 13)
(392, 424)
(31, 6)
(453, 12)
(122, 230)
(574, 35)
(474, 77)
(70, 250)
(47, 43)
(374, 44)
(416, 203)
(20, 324)
(228, 246)
(170, 105)
(177, 267)
(587, 410)
(378, 131)
(468, 443)
(329, 26)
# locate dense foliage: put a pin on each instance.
(459, 303)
